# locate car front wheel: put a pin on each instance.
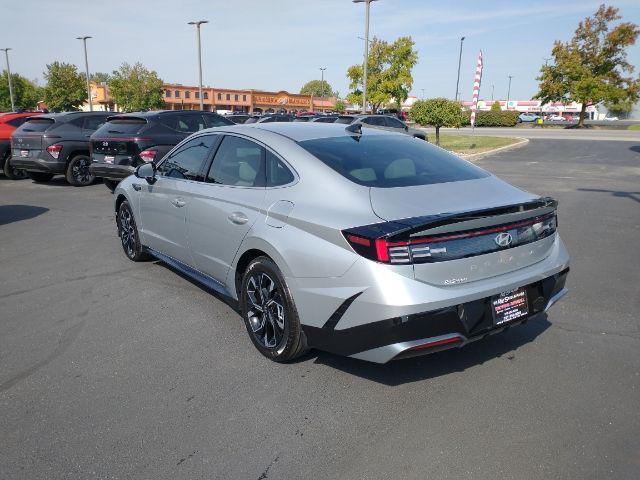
(269, 313)
(128, 233)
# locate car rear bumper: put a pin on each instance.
(38, 164)
(110, 171)
(427, 332)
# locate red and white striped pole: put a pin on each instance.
(476, 90)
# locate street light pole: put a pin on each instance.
(509, 91)
(86, 69)
(459, 63)
(322, 69)
(422, 93)
(6, 55)
(492, 90)
(366, 52)
(197, 24)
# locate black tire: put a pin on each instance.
(40, 176)
(128, 233)
(78, 173)
(10, 172)
(279, 343)
(110, 184)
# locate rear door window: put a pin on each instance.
(93, 122)
(238, 162)
(217, 120)
(394, 123)
(375, 121)
(184, 123)
(186, 162)
(277, 172)
(345, 120)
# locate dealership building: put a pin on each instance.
(536, 106)
(181, 97)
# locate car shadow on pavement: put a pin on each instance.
(616, 193)
(635, 148)
(17, 213)
(416, 369)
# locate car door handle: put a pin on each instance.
(238, 218)
(136, 187)
(179, 203)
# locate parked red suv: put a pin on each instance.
(8, 123)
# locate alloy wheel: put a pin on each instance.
(80, 171)
(127, 232)
(265, 312)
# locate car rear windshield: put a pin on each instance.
(387, 161)
(36, 125)
(127, 126)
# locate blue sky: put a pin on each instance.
(280, 44)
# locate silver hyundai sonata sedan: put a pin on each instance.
(356, 241)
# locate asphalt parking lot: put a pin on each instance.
(110, 369)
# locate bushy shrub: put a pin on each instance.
(493, 118)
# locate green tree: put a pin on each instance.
(26, 93)
(437, 112)
(340, 106)
(591, 67)
(66, 89)
(134, 87)
(317, 88)
(495, 107)
(621, 108)
(389, 77)
(100, 77)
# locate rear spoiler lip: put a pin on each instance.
(394, 229)
(127, 117)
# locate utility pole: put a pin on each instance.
(86, 70)
(6, 55)
(197, 24)
(322, 69)
(459, 63)
(509, 91)
(366, 52)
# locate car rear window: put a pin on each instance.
(36, 125)
(386, 161)
(126, 126)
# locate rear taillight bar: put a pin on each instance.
(434, 248)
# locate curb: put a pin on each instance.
(474, 156)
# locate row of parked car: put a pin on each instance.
(84, 146)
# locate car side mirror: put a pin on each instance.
(147, 171)
(406, 128)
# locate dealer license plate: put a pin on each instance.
(510, 306)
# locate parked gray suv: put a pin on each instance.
(360, 242)
(382, 122)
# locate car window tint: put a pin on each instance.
(37, 124)
(387, 161)
(218, 121)
(237, 162)
(377, 121)
(93, 122)
(277, 172)
(187, 160)
(16, 122)
(345, 120)
(394, 123)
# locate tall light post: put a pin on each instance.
(366, 52)
(6, 56)
(493, 87)
(459, 63)
(422, 93)
(322, 69)
(197, 24)
(509, 91)
(86, 70)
